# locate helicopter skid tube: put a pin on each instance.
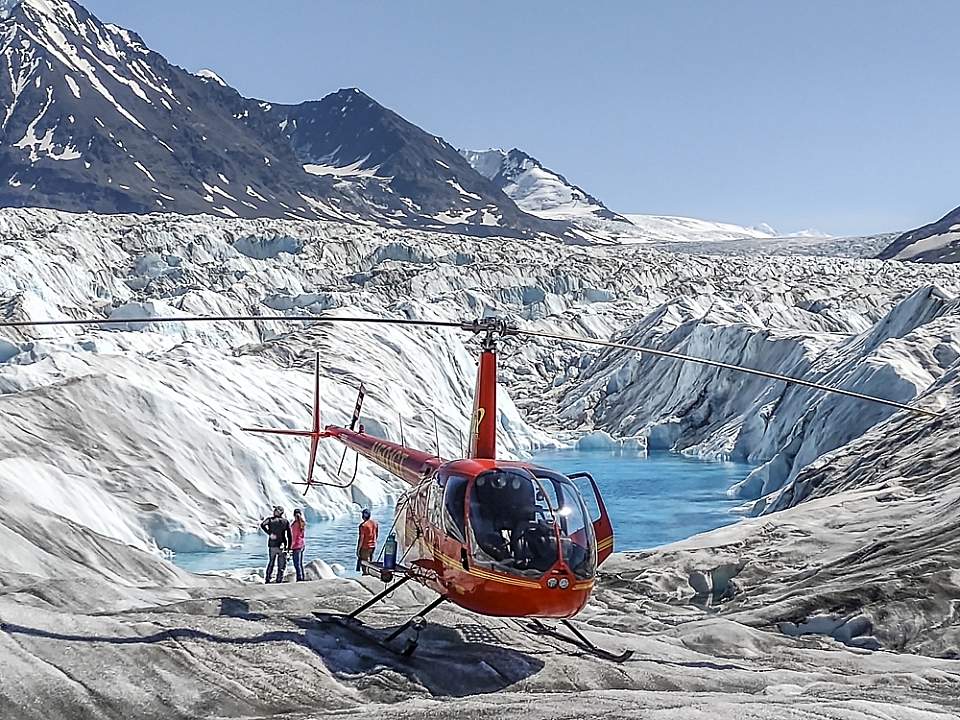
(578, 639)
(356, 626)
(366, 633)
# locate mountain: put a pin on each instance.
(95, 120)
(666, 228)
(350, 137)
(937, 242)
(537, 189)
(546, 193)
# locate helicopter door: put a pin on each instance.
(602, 527)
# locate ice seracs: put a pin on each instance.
(814, 317)
(118, 443)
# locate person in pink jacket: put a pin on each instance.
(298, 529)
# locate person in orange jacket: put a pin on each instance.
(367, 540)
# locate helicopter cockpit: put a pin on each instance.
(522, 521)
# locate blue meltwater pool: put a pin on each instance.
(652, 500)
(659, 498)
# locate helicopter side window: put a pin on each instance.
(434, 491)
(454, 502)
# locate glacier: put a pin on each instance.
(120, 442)
(152, 414)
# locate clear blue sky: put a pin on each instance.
(840, 115)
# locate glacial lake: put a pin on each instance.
(653, 500)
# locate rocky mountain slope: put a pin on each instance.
(95, 120)
(937, 242)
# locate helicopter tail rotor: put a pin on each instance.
(315, 433)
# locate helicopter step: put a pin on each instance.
(376, 569)
(578, 640)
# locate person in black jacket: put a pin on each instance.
(279, 541)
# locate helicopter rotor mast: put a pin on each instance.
(483, 422)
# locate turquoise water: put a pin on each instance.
(656, 499)
(652, 500)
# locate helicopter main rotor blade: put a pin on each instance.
(727, 366)
(502, 328)
(226, 318)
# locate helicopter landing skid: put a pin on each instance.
(416, 623)
(577, 640)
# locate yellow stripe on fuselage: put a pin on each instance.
(484, 574)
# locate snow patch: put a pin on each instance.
(146, 172)
(355, 169)
(207, 74)
(45, 146)
(74, 87)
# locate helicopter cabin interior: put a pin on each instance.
(522, 521)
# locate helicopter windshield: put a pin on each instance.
(577, 539)
(523, 523)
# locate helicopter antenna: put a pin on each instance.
(436, 431)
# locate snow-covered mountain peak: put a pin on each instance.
(537, 189)
(488, 163)
(56, 21)
(56, 10)
(59, 46)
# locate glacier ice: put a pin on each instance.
(119, 442)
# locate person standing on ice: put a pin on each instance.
(367, 542)
(279, 541)
(298, 531)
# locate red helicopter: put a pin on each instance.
(497, 537)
